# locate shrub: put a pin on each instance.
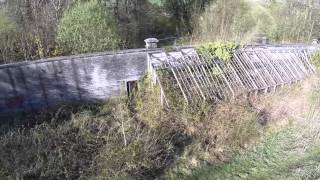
(316, 59)
(216, 130)
(173, 94)
(218, 133)
(87, 27)
(146, 102)
(46, 152)
(220, 50)
(219, 20)
(184, 11)
(107, 143)
(8, 39)
(243, 21)
(136, 139)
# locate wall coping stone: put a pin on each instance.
(80, 56)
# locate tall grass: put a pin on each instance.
(287, 152)
(133, 138)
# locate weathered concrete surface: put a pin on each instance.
(40, 84)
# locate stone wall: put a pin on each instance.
(40, 84)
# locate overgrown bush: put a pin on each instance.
(109, 143)
(8, 39)
(87, 27)
(136, 139)
(220, 50)
(33, 25)
(217, 130)
(173, 94)
(316, 59)
(147, 103)
(218, 20)
(183, 12)
(243, 21)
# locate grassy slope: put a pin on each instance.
(290, 153)
(276, 158)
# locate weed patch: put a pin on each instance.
(219, 50)
(126, 138)
(316, 59)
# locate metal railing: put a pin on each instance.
(251, 70)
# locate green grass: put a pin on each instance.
(277, 157)
(289, 153)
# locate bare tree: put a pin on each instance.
(36, 24)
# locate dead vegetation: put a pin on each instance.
(289, 146)
(125, 139)
(138, 138)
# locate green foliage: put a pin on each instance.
(220, 50)
(97, 142)
(243, 21)
(184, 11)
(171, 89)
(157, 2)
(289, 148)
(47, 151)
(291, 22)
(316, 60)
(34, 31)
(218, 132)
(7, 24)
(121, 139)
(8, 39)
(277, 157)
(146, 101)
(87, 27)
(223, 26)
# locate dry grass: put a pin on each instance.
(140, 139)
(136, 139)
(104, 142)
(290, 146)
(218, 132)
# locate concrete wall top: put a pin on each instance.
(80, 56)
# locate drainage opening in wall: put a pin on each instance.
(131, 87)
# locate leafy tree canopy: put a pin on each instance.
(87, 27)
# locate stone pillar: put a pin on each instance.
(151, 43)
(264, 40)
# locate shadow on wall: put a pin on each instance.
(41, 84)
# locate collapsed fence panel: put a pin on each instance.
(251, 70)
